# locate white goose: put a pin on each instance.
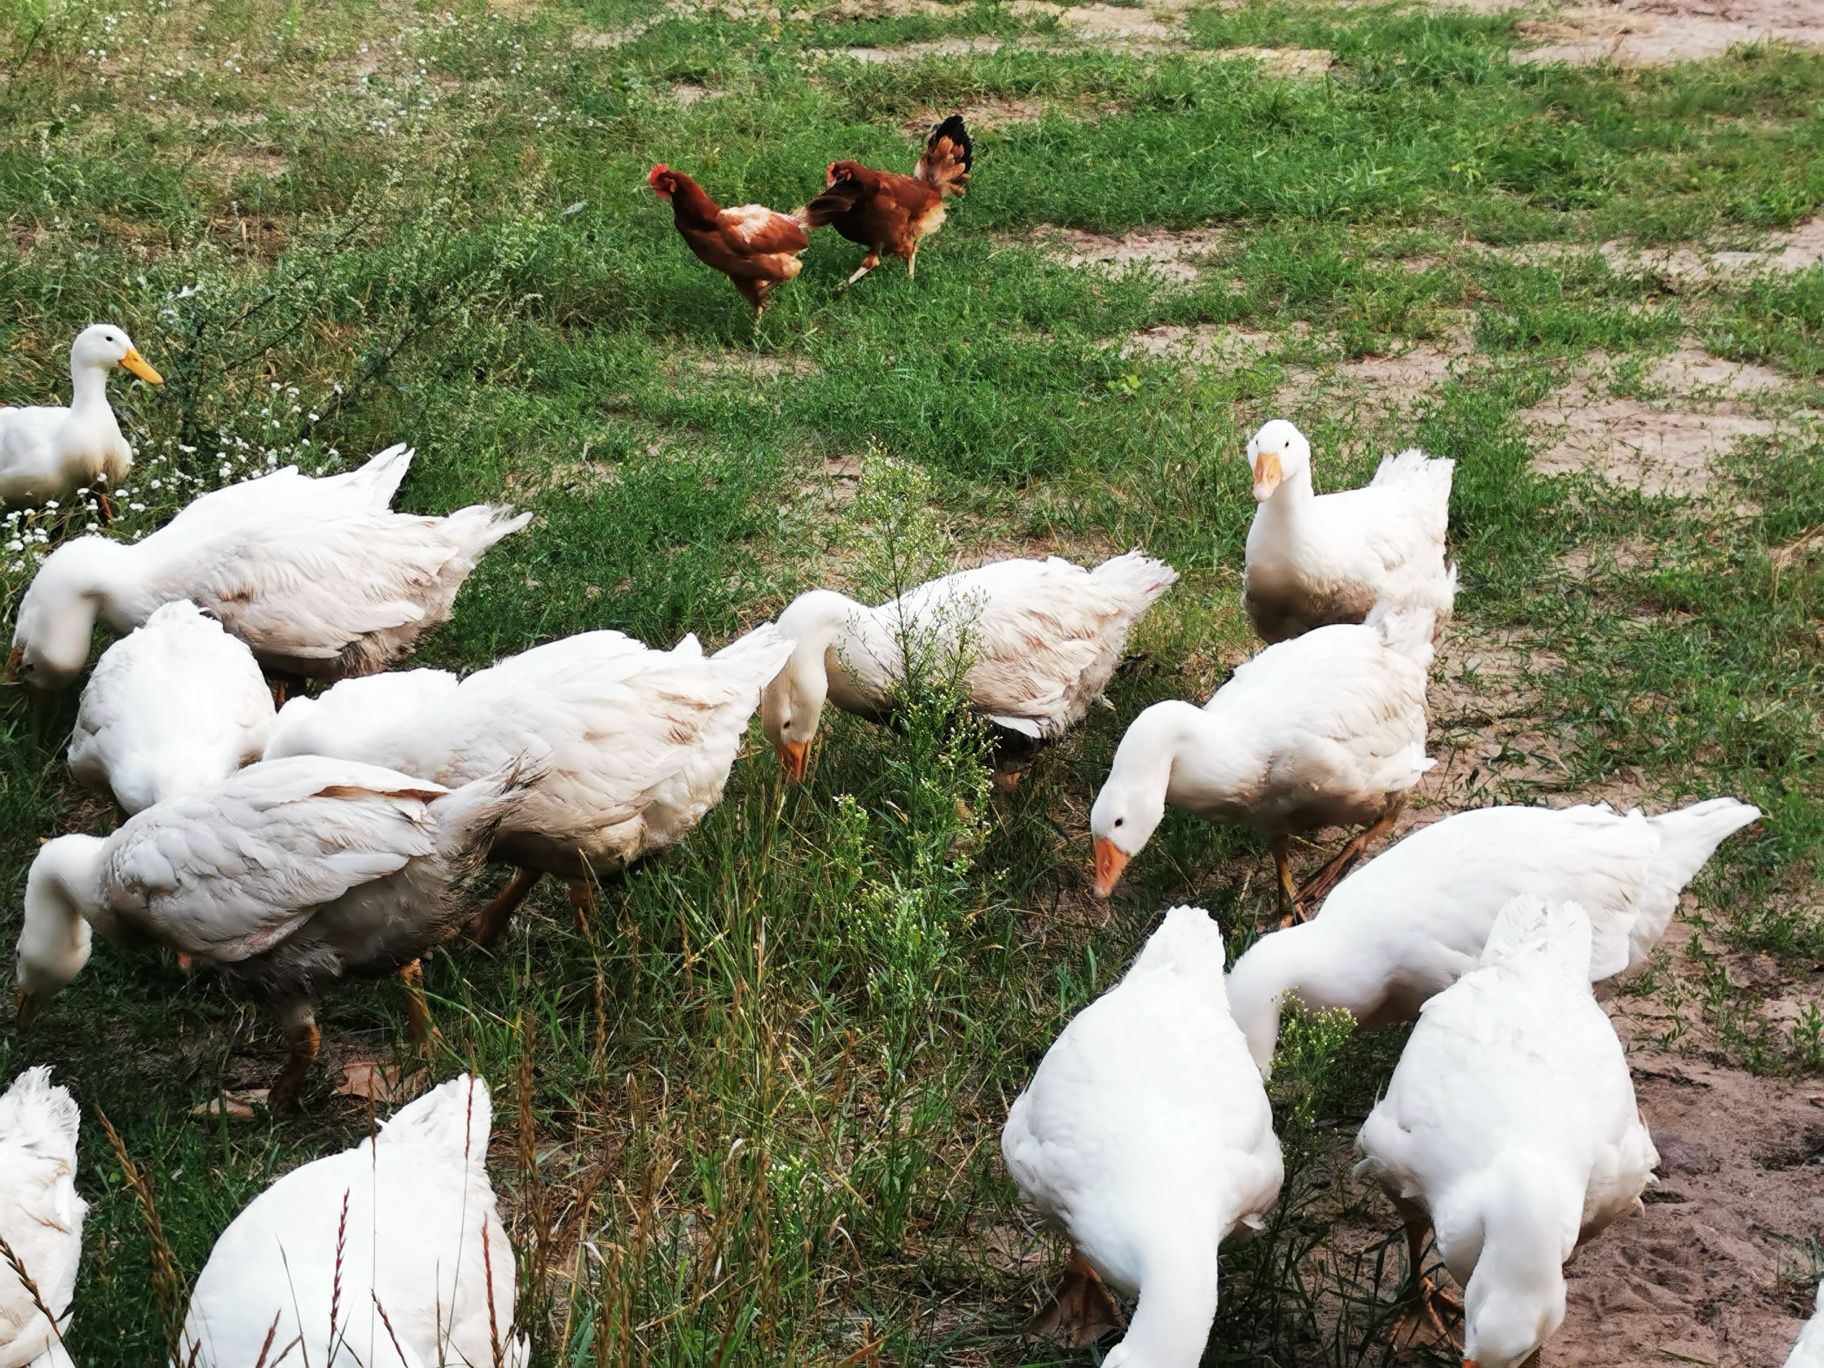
(390, 1255)
(1510, 1128)
(1808, 1350)
(320, 585)
(1147, 1139)
(1327, 729)
(41, 1218)
(1317, 559)
(1040, 640)
(284, 877)
(173, 706)
(635, 745)
(1412, 921)
(47, 452)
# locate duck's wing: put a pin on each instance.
(41, 1214)
(230, 871)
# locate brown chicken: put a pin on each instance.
(752, 245)
(890, 213)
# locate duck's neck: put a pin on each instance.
(1293, 962)
(1171, 1324)
(833, 629)
(62, 900)
(1522, 1204)
(1211, 765)
(1290, 500)
(88, 389)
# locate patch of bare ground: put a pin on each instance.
(912, 52)
(692, 92)
(242, 159)
(1164, 252)
(1203, 344)
(1797, 249)
(992, 112)
(1661, 32)
(1693, 372)
(1633, 444)
(1377, 387)
(1099, 21)
(1292, 63)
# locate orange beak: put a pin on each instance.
(794, 755)
(1109, 864)
(1267, 474)
(141, 367)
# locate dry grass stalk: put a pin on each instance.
(14, 1262)
(167, 1286)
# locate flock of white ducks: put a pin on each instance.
(288, 851)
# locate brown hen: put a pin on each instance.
(752, 245)
(888, 213)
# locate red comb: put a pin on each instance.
(657, 171)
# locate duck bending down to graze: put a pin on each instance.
(284, 877)
(1414, 920)
(1146, 1139)
(1038, 641)
(175, 705)
(389, 1255)
(41, 1218)
(1510, 1128)
(319, 583)
(46, 452)
(1315, 559)
(1327, 729)
(634, 745)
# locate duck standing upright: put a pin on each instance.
(41, 1216)
(172, 706)
(1415, 919)
(320, 583)
(1315, 559)
(1511, 1129)
(1037, 642)
(633, 745)
(285, 877)
(1327, 729)
(46, 452)
(390, 1255)
(1146, 1138)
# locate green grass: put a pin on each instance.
(755, 1120)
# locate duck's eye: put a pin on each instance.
(1119, 820)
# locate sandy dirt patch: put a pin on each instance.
(1797, 249)
(1291, 63)
(987, 114)
(1172, 255)
(692, 92)
(1201, 345)
(1377, 387)
(1633, 444)
(1660, 32)
(1694, 372)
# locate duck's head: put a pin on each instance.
(1132, 802)
(1515, 1300)
(1276, 453)
(57, 615)
(54, 939)
(792, 705)
(103, 346)
(1510, 1324)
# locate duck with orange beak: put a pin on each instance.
(1325, 730)
(46, 452)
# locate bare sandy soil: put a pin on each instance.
(1659, 32)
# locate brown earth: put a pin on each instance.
(1661, 32)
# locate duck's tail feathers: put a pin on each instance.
(758, 656)
(1531, 930)
(1687, 840)
(1138, 577)
(40, 1115)
(379, 479)
(944, 164)
(454, 1118)
(479, 526)
(1188, 942)
(1406, 627)
(1419, 472)
(469, 817)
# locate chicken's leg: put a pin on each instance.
(300, 1023)
(490, 924)
(1081, 1310)
(868, 263)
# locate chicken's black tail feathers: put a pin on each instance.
(949, 151)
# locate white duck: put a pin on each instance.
(173, 706)
(284, 877)
(320, 585)
(46, 452)
(1317, 559)
(1040, 640)
(1808, 1350)
(1327, 729)
(389, 1255)
(1510, 1127)
(634, 745)
(41, 1218)
(1147, 1139)
(1412, 921)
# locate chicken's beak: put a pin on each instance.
(794, 755)
(25, 1007)
(141, 367)
(1110, 861)
(1266, 474)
